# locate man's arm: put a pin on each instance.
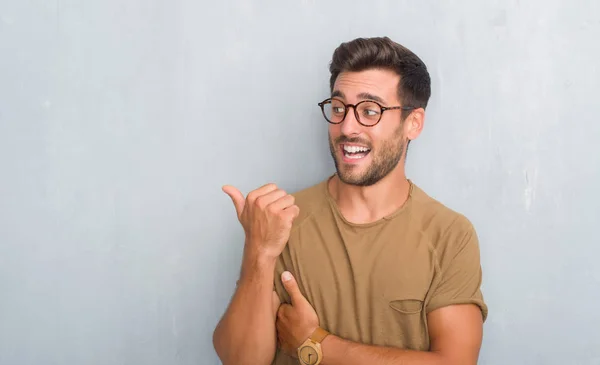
(455, 332)
(246, 333)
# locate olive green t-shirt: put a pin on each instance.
(375, 283)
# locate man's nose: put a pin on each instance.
(350, 124)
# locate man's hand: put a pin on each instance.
(246, 333)
(295, 322)
(266, 214)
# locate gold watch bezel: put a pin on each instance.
(313, 345)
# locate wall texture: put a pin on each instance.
(120, 121)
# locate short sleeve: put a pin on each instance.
(458, 273)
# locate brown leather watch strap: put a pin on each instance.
(319, 335)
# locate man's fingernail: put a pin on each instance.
(286, 276)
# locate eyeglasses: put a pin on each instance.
(367, 112)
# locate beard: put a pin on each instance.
(384, 159)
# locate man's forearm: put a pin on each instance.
(337, 351)
(246, 333)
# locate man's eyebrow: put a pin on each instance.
(370, 97)
(363, 96)
(337, 93)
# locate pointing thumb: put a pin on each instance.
(291, 286)
(237, 197)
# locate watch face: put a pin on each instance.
(309, 355)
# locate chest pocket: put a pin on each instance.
(406, 317)
(407, 306)
(407, 301)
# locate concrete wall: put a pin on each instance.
(120, 121)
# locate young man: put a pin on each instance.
(367, 268)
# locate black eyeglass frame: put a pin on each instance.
(355, 107)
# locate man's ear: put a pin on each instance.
(414, 123)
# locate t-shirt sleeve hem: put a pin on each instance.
(480, 303)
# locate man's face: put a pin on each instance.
(385, 142)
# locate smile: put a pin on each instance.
(354, 152)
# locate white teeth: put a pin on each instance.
(355, 149)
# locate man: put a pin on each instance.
(367, 268)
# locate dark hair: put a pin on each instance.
(363, 54)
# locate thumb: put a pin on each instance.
(291, 286)
(237, 197)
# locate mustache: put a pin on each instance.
(345, 139)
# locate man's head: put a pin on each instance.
(379, 73)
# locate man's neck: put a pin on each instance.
(366, 204)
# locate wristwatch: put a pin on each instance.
(310, 353)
